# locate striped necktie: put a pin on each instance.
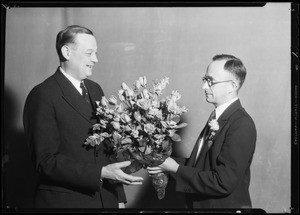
(204, 136)
(85, 94)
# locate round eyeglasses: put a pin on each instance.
(211, 83)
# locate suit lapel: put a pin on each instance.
(73, 97)
(223, 119)
(226, 115)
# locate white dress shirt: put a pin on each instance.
(74, 81)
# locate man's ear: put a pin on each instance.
(235, 87)
(66, 52)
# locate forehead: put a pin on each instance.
(216, 69)
(86, 41)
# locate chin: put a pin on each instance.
(88, 74)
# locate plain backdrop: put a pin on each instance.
(177, 42)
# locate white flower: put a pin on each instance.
(104, 101)
(143, 103)
(137, 116)
(135, 133)
(137, 84)
(141, 123)
(93, 140)
(143, 81)
(146, 94)
(158, 87)
(214, 125)
(149, 128)
(125, 118)
(112, 100)
(116, 125)
(175, 96)
(121, 95)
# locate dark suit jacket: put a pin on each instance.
(221, 176)
(57, 121)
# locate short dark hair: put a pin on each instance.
(233, 65)
(67, 36)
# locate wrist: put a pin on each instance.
(103, 173)
(176, 167)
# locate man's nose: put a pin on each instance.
(205, 86)
(94, 58)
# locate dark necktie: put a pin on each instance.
(205, 136)
(85, 94)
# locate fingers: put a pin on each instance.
(154, 168)
(129, 182)
(154, 171)
(132, 183)
(133, 178)
(122, 164)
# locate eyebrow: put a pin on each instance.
(92, 50)
(209, 77)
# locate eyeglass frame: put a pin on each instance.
(210, 83)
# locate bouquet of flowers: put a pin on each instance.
(140, 126)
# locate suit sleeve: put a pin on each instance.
(44, 138)
(234, 159)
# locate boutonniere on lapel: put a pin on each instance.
(214, 127)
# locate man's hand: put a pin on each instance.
(169, 165)
(114, 172)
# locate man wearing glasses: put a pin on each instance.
(217, 173)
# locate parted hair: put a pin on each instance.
(233, 65)
(67, 36)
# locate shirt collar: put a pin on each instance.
(74, 81)
(220, 109)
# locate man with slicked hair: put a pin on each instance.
(217, 173)
(57, 118)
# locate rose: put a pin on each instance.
(155, 112)
(172, 107)
(135, 133)
(149, 128)
(143, 103)
(93, 140)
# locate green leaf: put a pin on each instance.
(142, 149)
(176, 119)
(165, 144)
(143, 142)
(176, 138)
(182, 125)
